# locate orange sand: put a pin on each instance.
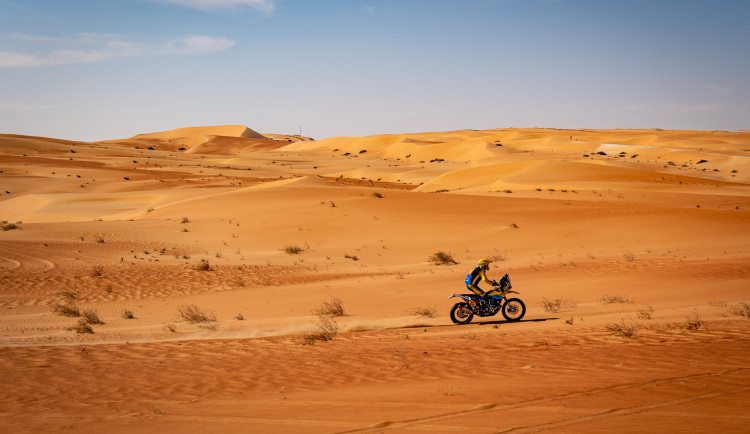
(660, 218)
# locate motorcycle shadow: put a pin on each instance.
(503, 321)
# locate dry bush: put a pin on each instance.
(377, 195)
(204, 266)
(91, 317)
(442, 258)
(239, 317)
(645, 312)
(427, 312)
(741, 309)
(128, 314)
(193, 314)
(621, 329)
(552, 306)
(67, 295)
(556, 305)
(170, 328)
(613, 299)
(332, 308)
(97, 272)
(693, 321)
(82, 327)
(629, 256)
(293, 250)
(66, 310)
(325, 330)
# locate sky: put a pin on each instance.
(106, 69)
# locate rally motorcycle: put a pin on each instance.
(491, 303)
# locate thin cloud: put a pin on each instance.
(99, 47)
(705, 107)
(266, 6)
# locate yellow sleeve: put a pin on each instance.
(484, 277)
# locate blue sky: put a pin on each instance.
(105, 69)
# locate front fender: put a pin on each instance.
(463, 296)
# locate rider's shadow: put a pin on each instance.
(515, 322)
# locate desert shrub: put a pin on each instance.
(170, 328)
(204, 266)
(97, 272)
(377, 195)
(185, 220)
(91, 317)
(442, 258)
(67, 295)
(352, 257)
(239, 317)
(293, 250)
(645, 312)
(693, 321)
(427, 312)
(9, 227)
(332, 308)
(193, 314)
(128, 314)
(629, 256)
(66, 310)
(614, 299)
(81, 327)
(622, 329)
(99, 240)
(741, 309)
(325, 330)
(552, 306)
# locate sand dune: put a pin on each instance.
(645, 230)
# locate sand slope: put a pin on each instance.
(645, 230)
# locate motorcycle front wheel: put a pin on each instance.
(461, 313)
(514, 309)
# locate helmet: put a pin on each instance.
(484, 263)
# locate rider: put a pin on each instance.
(477, 275)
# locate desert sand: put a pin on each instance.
(630, 249)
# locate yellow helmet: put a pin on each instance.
(484, 262)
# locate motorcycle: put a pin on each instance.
(494, 301)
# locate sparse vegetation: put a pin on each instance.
(442, 258)
(325, 330)
(427, 312)
(9, 227)
(128, 314)
(170, 328)
(66, 310)
(193, 314)
(293, 250)
(185, 220)
(81, 327)
(741, 309)
(204, 266)
(693, 321)
(91, 317)
(239, 317)
(377, 195)
(332, 308)
(614, 299)
(621, 329)
(352, 257)
(629, 256)
(645, 312)
(97, 272)
(556, 305)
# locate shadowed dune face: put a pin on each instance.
(603, 232)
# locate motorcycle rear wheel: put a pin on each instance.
(459, 313)
(514, 309)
